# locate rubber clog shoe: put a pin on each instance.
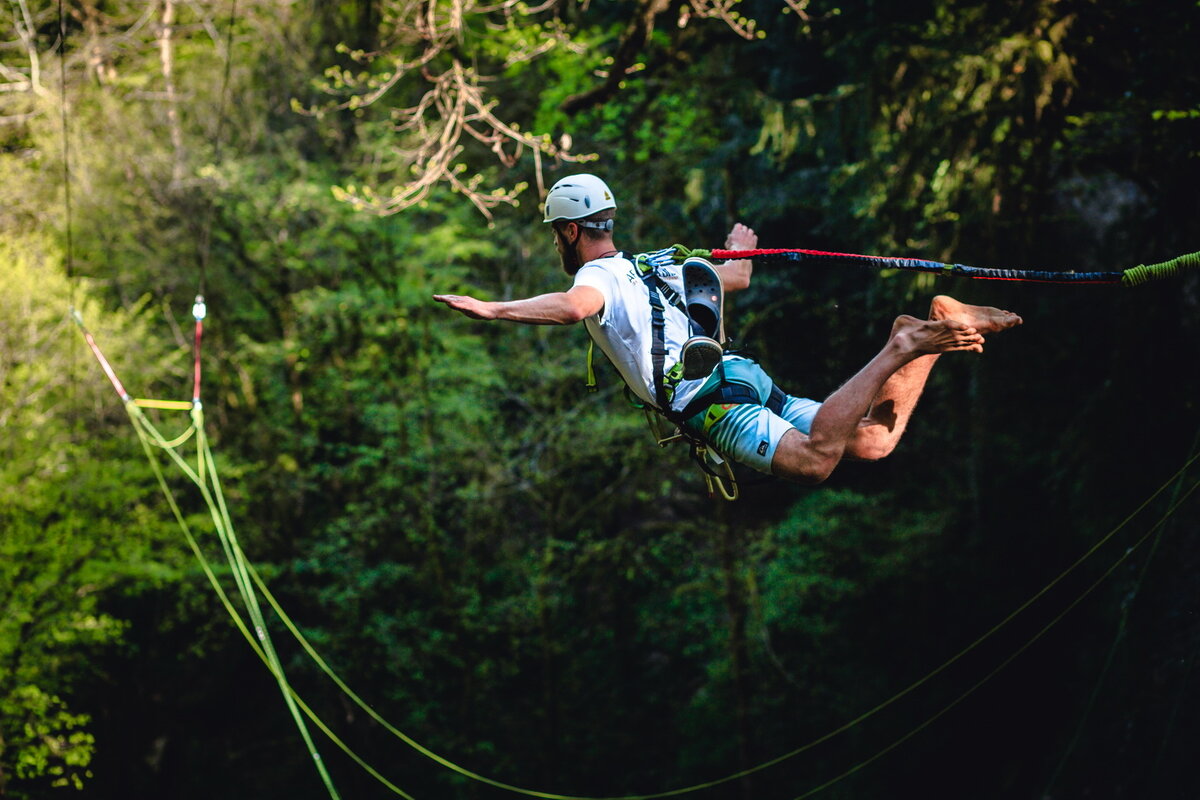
(704, 298)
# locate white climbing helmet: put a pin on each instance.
(576, 197)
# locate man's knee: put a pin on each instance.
(799, 459)
(809, 472)
(871, 443)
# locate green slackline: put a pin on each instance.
(219, 514)
(147, 434)
(244, 569)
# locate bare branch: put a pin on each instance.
(167, 59)
(726, 11)
(430, 41)
(26, 32)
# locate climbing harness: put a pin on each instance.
(718, 472)
(702, 305)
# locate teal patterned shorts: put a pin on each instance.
(745, 432)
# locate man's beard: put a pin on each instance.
(569, 255)
(570, 260)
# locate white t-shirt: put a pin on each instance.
(623, 330)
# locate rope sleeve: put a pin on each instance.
(108, 370)
(1142, 273)
(199, 312)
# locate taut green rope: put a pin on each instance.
(146, 435)
(149, 435)
(1143, 273)
(362, 704)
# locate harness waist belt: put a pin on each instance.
(734, 393)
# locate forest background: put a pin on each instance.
(504, 565)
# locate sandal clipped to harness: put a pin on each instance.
(704, 299)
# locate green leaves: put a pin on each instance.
(71, 521)
(49, 742)
(504, 563)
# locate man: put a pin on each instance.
(735, 409)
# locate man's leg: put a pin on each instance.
(880, 430)
(867, 415)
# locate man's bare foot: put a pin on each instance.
(915, 337)
(741, 238)
(983, 319)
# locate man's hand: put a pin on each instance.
(475, 309)
(735, 275)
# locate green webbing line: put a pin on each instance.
(273, 664)
(591, 367)
(1142, 273)
(1070, 607)
(237, 564)
(240, 623)
(178, 440)
(357, 700)
(170, 405)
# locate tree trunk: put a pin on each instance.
(167, 55)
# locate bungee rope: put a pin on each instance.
(1134, 276)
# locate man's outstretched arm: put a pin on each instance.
(556, 308)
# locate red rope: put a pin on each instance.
(108, 370)
(727, 255)
(196, 362)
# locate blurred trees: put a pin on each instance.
(504, 565)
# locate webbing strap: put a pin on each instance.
(647, 265)
(729, 393)
(658, 346)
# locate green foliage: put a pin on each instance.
(49, 743)
(502, 564)
(70, 512)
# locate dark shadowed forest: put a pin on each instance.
(505, 566)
